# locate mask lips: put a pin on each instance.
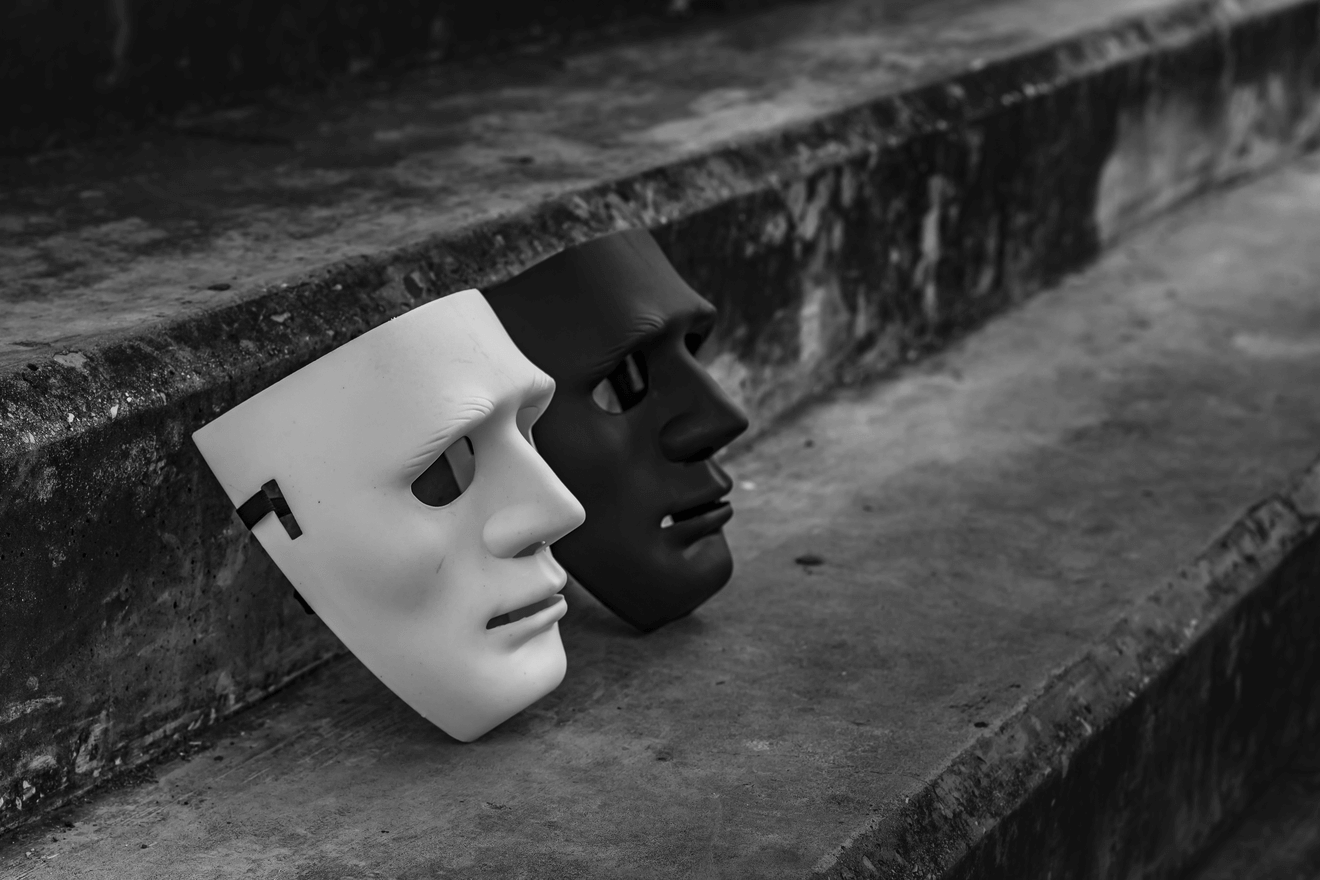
(709, 505)
(692, 512)
(711, 501)
(691, 524)
(525, 611)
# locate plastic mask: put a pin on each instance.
(634, 423)
(411, 510)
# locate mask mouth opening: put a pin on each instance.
(525, 611)
(692, 512)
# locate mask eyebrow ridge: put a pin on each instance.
(468, 413)
(644, 329)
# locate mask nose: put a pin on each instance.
(543, 511)
(708, 422)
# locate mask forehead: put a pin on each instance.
(370, 404)
(602, 298)
(426, 384)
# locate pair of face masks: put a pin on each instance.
(395, 483)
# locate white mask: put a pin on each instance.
(419, 584)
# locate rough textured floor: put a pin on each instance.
(977, 521)
(1279, 838)
(122, 234)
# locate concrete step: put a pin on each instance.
(980, 626)
(852, 185)
(127, 65)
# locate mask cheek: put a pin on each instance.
(398, 561)
(594, 455)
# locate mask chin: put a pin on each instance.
(423, 516)
(677, 578)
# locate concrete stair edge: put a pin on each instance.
(1137, 755)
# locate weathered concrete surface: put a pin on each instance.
(992, 616)
(852, 189)
(822, 107)
(71, 67)
(1279, 838)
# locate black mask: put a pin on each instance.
(633, 424)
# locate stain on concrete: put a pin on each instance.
(1172, 145)
(1275, 346)
(14, 711)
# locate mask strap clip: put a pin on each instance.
(269, 500)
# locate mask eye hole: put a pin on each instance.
(448, 476)
(624, 387)
(694, 341)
